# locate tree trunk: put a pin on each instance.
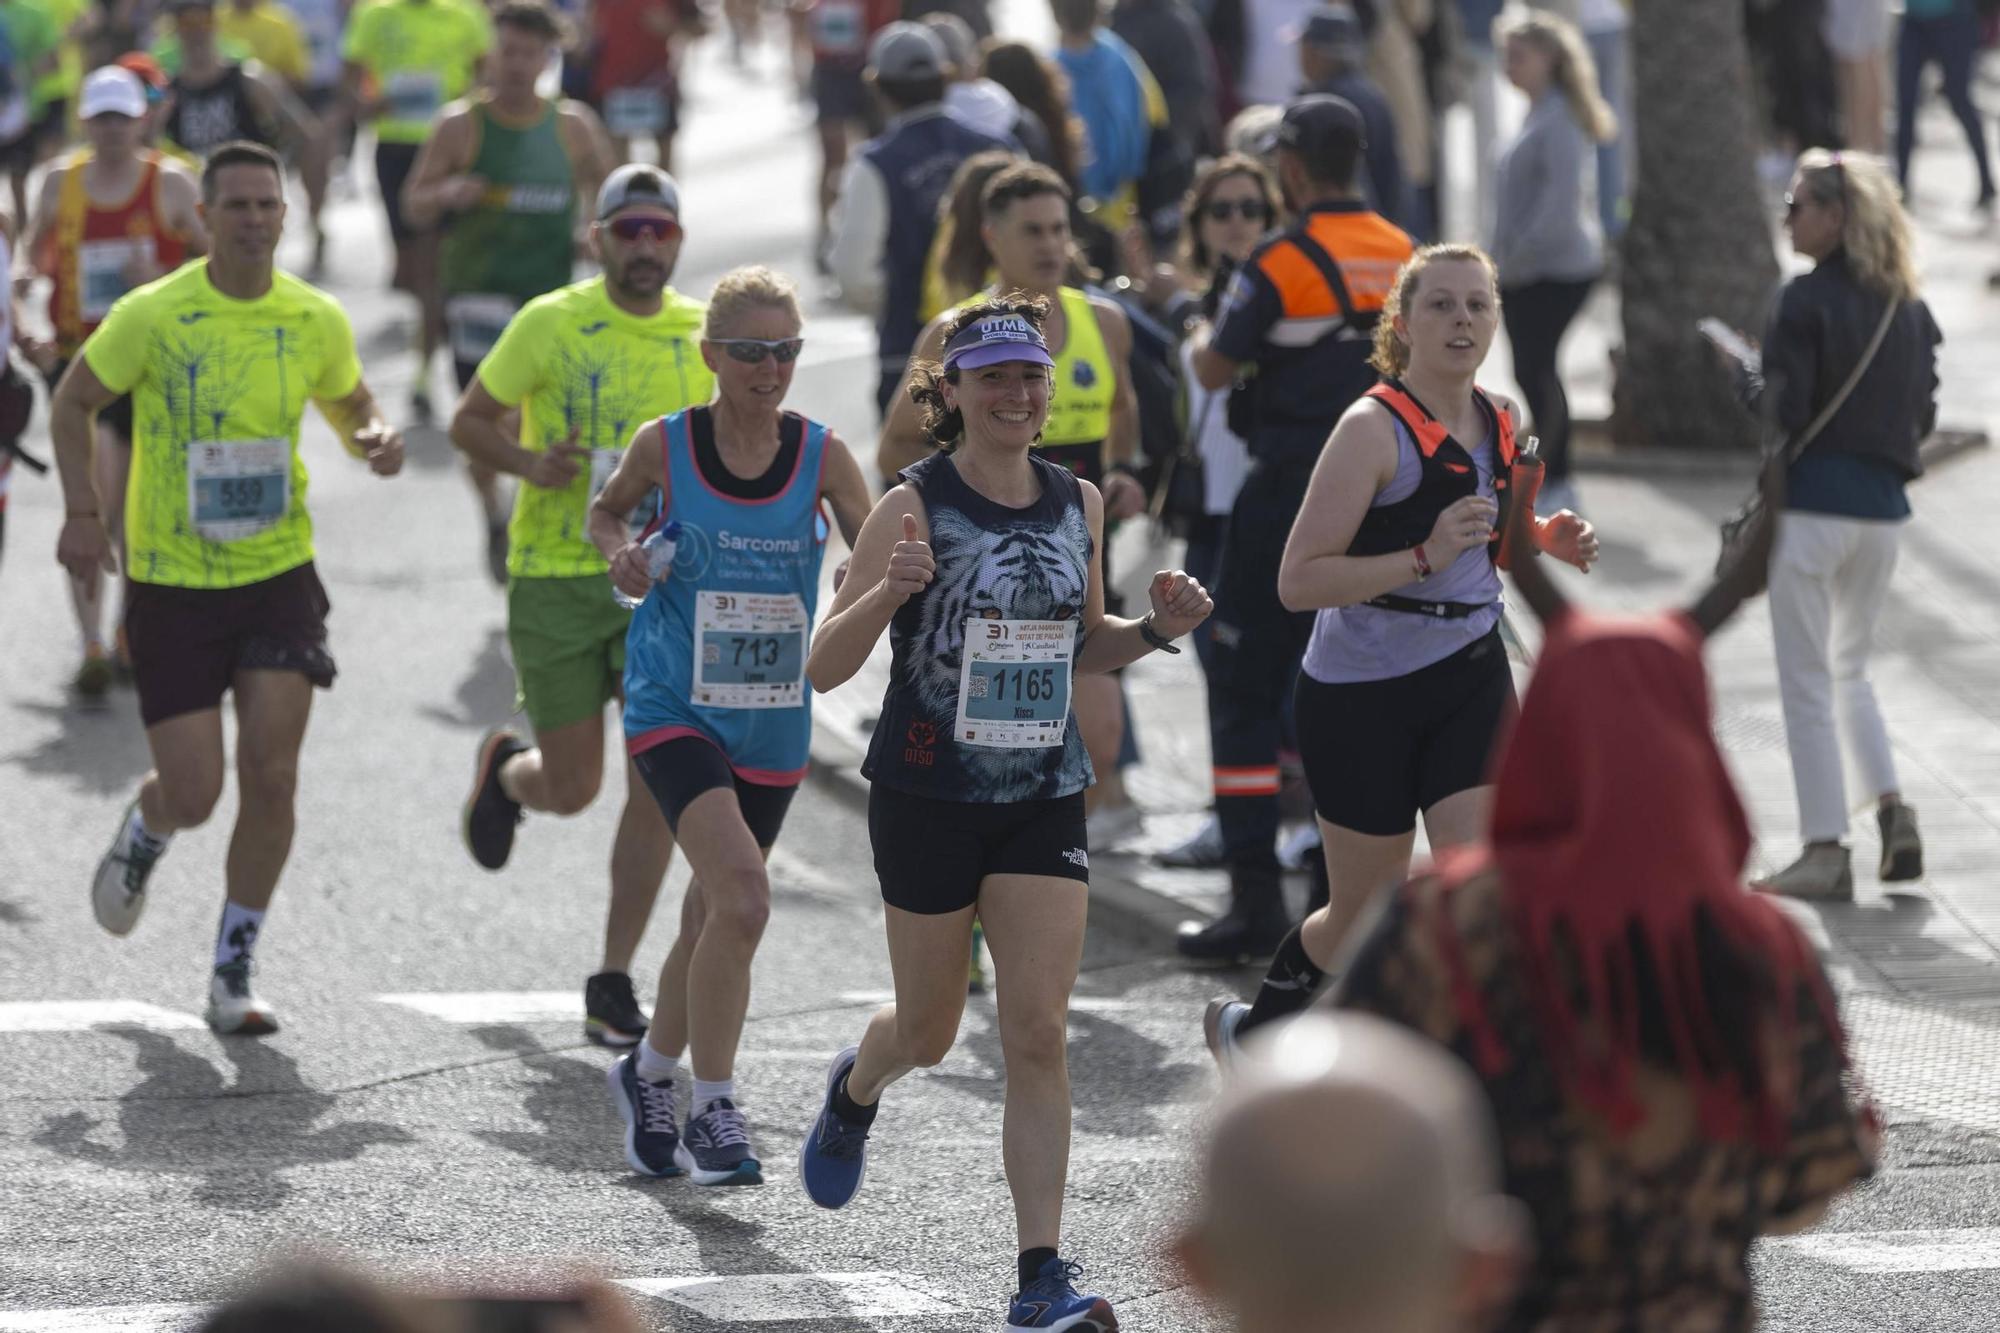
(1699, 242)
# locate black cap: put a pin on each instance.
(1331, 25)
(1327, 132)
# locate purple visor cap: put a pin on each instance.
(996, 338)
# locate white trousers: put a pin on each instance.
(1829, 578)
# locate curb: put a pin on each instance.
(1944, 443)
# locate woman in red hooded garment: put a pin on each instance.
(1662, 1049)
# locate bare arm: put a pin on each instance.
(363, 430)
(84, 544)
(610, 525)
(276, 104)
(904, 440)
(1212, 370)
(438, 182)
(181, 198)
(1122, 445)
(591, 154)
(891, 563)
(845, 489)
(36, 254)
(1356, 464)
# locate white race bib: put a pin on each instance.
(476, 321)
(104, 270)
(836, 28)
(1013, 691)
(238, 488)
(749, 649)
(629, 112)
(414, 94)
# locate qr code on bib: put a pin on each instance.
(711, 654)
(975, 688)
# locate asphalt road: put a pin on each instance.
(430, 1106)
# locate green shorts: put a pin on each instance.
(568, 637)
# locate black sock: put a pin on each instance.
(1288, 987)
(844, 1106)
(1031, 1262)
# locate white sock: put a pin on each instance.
(237, 935)
(136, 831)
(706, 1092)
(657, 1068)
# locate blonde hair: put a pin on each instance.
(1876, 232)
(1570, 65)
(1392, 355)
(742, 290)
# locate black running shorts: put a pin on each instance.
(678, 770)
(1376, 752)
(932, 856)
(189, 643)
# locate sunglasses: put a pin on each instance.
(1250, 210)
(632, 228)
(752, 351)
(1838, 165)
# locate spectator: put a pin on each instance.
(1857, 33)
(1253, 132)
(1302, 311)
(1844, 503)
(1606, 26)
(1266, 70)
(1168, 38)
(1796, 71)
(1395, 1222)
(887, 211)
(1545, 234)
(968, 94)
(1476, 20)
(1333, 54)
(1944, 33)
(1661, 1049)
(1396, 62)
(1119, 104)
(1041, 90)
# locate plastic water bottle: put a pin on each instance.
(659, 549)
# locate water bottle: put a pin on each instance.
(659, 549)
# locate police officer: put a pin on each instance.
(1295, 327)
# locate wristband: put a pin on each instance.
(1424, 570)
(1152, 638)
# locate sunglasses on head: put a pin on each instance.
(1794, 201)
(1250, 210)
(752, 351)
(631, 228)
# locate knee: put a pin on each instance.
(1037, 1040)
(268, 781)
(570, 793)
(188, 801)
(738, 903)
(924, 1042)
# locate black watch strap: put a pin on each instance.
(1152, 636)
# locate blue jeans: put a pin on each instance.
(1613, 55)
(1952, 42)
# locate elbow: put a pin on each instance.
(1291, 590)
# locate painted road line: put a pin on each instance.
(104, 1319)
(779, 1297)
(1078, 1004)
(496, 1006)
(1955, 1251)
(83, 1015)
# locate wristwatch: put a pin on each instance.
(1152, 637)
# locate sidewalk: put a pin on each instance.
(1938, 672)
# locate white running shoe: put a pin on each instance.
(118, 890)
(233, 1009)
(1110, 825)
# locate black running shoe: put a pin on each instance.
(491, 815)
(611, 1013)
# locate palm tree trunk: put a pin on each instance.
(1699, 242)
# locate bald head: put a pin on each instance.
(1348, 1183)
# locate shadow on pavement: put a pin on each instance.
(103, 748)
(1890, 936)
(235, 1140)
(485, 695)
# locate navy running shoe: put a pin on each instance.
(1219, 1026)
(648, 1112)
(834, 1157)
(715, 1147)
(1052, 1301)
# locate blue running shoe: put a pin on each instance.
(648, 1112)
(834, 1157)
(1219, 1027)
(1052, 1301)
(715, 1148)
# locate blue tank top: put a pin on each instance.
(943, 732)
(718, 648)
(1357, 643)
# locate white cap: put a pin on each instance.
(112, 90)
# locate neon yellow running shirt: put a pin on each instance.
(421, 54)
(217, 497)
(572, 360)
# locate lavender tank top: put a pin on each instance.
(1357, 643)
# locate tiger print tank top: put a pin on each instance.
(993, 723)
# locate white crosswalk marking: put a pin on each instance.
(1952, 1251)
(82, 1015)
(475, 1007)
(103, 1319)
(771, 1298)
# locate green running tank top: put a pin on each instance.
(516, 242)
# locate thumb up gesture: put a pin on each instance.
(910, 565)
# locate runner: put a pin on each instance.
(112, 217)
(223, 595)
(635, 70)
(1405, 683)
(30, 52)
(1093, 427)
(507, 167)
(722, 743)
(982, 566)
(585, 366)
(217, 100)
(416, 55)
(838, 32)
